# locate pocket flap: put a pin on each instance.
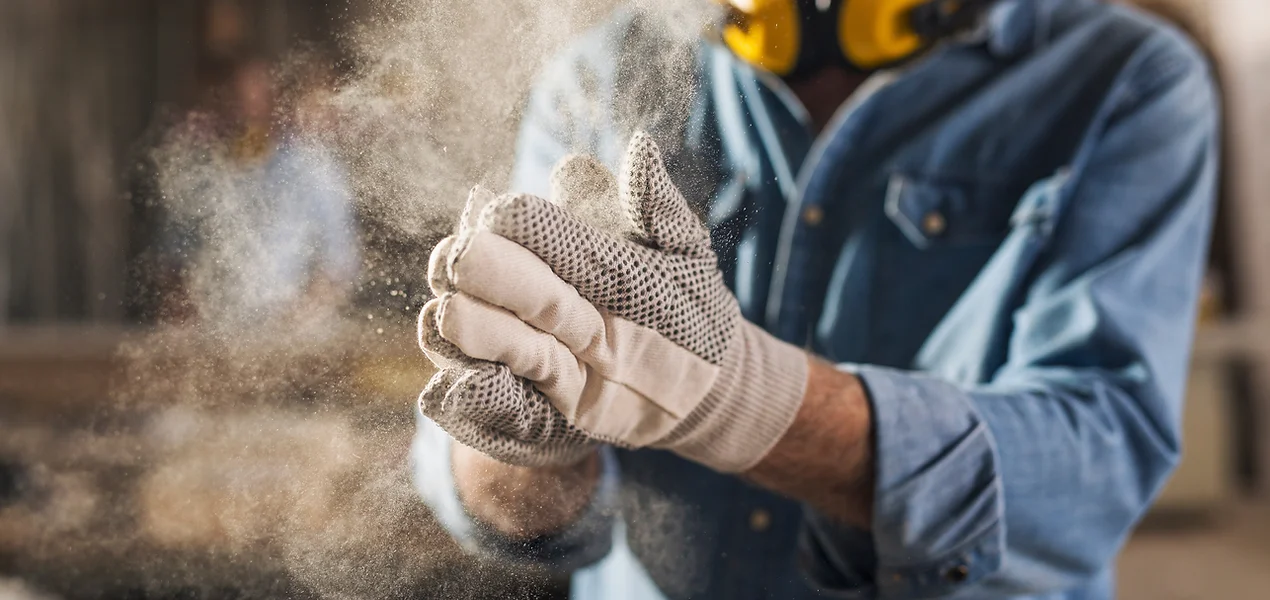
(933, 213)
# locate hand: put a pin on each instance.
(483, 404)
(522, 502)
(633, 338)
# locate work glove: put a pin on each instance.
(631, 335)
(480, 403)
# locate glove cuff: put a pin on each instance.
(753, 402)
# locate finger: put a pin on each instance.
(506, 274)
(497, 413)
(490, 401)
(640, 284)
(499, 401)
(586, 188)
(445, 390)
(504, 404)
(661, 215)
(440, 351)
(650, 386)
(486, 332)
(605, 269)
(432, 398)
(438, 267)
(477, 198)
(509, 450)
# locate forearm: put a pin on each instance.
(826, 457)
(522, 502)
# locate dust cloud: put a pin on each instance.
(437, 109)
(251, 451)
(16, 590)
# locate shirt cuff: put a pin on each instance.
(585, 541)
(938, 505)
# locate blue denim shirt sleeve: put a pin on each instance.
(1083, 419)
(585, 541)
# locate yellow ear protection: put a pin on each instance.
(796, 37)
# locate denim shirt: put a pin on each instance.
(1004, 240)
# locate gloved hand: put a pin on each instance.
(634, 338)
(482, 404)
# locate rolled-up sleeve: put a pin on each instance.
(585, 541)
(1029, 482)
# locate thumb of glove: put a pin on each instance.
(660, 214)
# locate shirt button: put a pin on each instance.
(760, 520)
(813, 215)
(957, 574)
(934, 223)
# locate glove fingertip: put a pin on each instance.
(426, 324)
(589, 191)
(657, 210)
(477, 199)
(432, 399)
(520, 218)
(580, 180)
(507, 203)
(441, 352)
(440, 279)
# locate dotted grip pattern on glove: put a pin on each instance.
(485, 406)
(663, 275)
(482, 404)
(659, 274)
(667, 278)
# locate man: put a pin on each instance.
(968, 282)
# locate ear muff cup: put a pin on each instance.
(766, 33)
(874, 33)
(871, 33)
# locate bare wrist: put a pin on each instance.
(523, 502)
(826, 456)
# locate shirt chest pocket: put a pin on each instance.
(947, 213)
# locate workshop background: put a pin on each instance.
(144, 454)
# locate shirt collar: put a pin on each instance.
(1012, 27)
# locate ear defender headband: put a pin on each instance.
(797, 37)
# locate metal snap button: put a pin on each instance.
(934, 223)
(957, 574)
(813, 215)
(760, 520)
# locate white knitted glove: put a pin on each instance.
(634, 338)
(483, 404)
